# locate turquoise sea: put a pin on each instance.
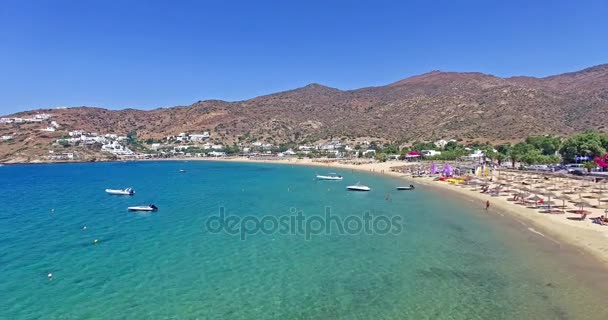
(451, 260)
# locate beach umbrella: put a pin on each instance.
(447, 170)
(433, 168)
(582, 205)
(564, 197)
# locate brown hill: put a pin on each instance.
(429, 106)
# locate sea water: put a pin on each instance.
(450, 259)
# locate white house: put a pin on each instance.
(116, 149)
(76, 133)
(200, 137)
(8, 137)
(48, 129)
(369, 151)
(42, 116)
(6, 120)
(440, 143)
(217, 154)
(430, 153)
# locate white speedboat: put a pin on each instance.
(143, 208)
(411, 187)
(124, 192)
(330, 176)
(358, 187)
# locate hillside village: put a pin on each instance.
(78, 145)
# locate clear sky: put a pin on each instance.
(149, 54)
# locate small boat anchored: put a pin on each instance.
(143, 208)
(358, 187)
(182, 170)
(411, 187)
(329, 176)
(124, 192)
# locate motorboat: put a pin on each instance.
(329, 176)
(411, 187)
(358, 187)
(143, 208)
(124, 192)
(182, 170)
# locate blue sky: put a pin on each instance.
(149, 54)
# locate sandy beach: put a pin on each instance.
(590, 238)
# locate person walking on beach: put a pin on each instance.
(487, 205)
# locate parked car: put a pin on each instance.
(577, 172)
(574, 166)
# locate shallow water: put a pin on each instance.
(450, 261)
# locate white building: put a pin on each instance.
(440, 143)
(42, 116)
(8, 137)
(200, 137)
(217, 153)
(430, 153)
(116, 149)
(48, 129)
(6, 120)
(368, 151)
(75, 133)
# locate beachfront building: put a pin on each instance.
(476, 156)
(116, 148)
(430, 153)
(217, 154)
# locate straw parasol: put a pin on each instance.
(582, 205)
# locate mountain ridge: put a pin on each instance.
(437, 104)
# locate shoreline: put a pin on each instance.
(589, 238)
